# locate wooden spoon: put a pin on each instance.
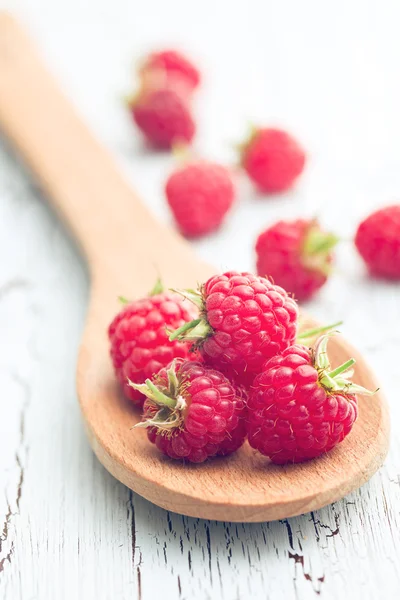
(125, 248)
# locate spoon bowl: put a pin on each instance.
(126, 248)
(245, 486)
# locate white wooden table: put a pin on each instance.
(330, 73)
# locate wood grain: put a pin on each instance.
(78, 175)
(78, 533)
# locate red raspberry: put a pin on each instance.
(378, 242)
(200, 194)
(297, 255)
(235, 439)
(298, 408)
(139, 338)
(272, 159)
(163, 115)
(174, 65)
(244, 320)
(193, 412)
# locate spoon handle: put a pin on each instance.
(75, 171)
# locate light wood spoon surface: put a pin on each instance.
(125, 247)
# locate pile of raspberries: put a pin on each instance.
(297, 254)
(212, 367)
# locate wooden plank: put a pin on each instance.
(71, 535)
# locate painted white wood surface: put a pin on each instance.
(329, 72)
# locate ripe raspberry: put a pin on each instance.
(200, 194)
(193, 412)
(174, 65)
(297, 255)
(244, 320)
(163, 115)
(378, 242)
(139, 338)
(298, 408)
(272, 159)
(237, 436)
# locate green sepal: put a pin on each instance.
(318, 241)
(310, 333)
(194, 331)
(168, 403)
(193, 296)
(337, 380)
(158, 288)
(317, 247)
(163, 419)
(241, 147)
(154, 393)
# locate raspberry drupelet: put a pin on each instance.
(193, 412)
(297, 255)
(298, 407)
(244, 320)
(139, 340)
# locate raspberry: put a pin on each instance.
(298, 408)
(193, 412)
(378, 242)
(235, 439)
(200, 194)
(272, 159)
(174, 65)
(139, 338)
(297, 255)
(244, 320)
(163, 115)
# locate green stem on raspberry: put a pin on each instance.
(342, 368)
(181, 152)
(181, 331)
(241, 147)
(321, 356)
(128, 99)
(193, 296)
(193, 331)
(313, 332)
(173, 383)
(316, 250)
(158, 288)
(152, 392)
(158, 396)
(353, 388)
(318, 241)
(200, 332)
(336, 380)
(170, 402)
